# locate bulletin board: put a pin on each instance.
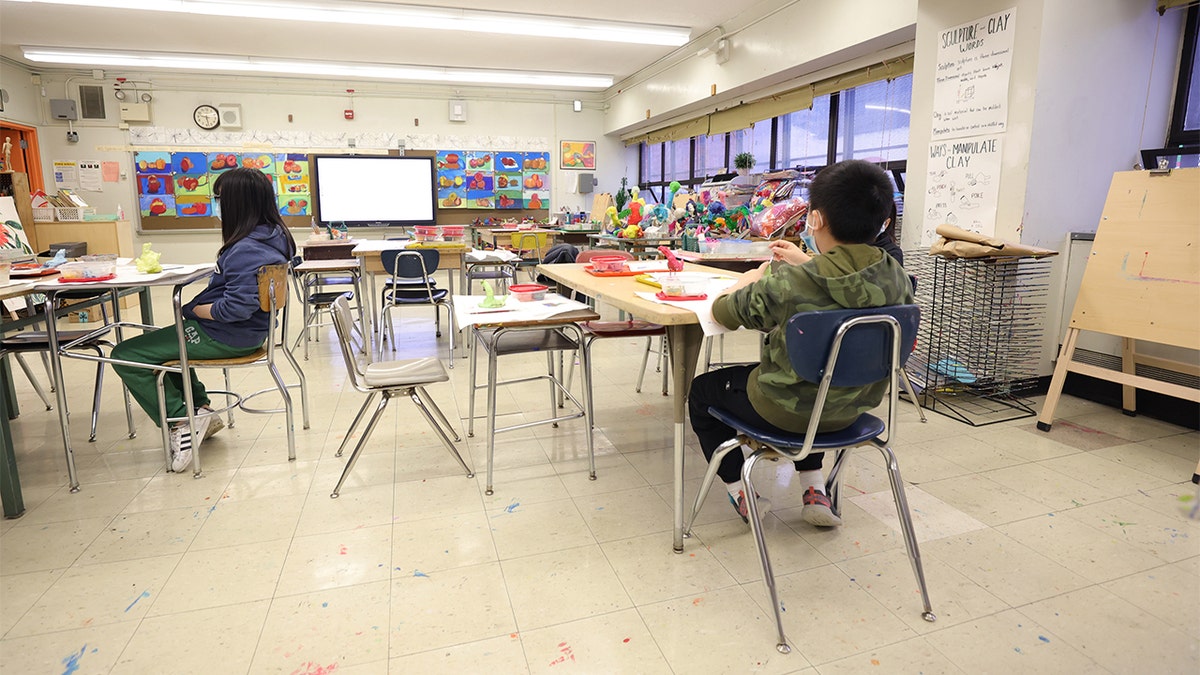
(175, 188)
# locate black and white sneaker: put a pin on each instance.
(182, 440)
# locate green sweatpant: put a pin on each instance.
(158, 347)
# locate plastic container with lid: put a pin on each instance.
(528, 292)
(608, 263)
(93, 269)
(453, 232)
(426, 232)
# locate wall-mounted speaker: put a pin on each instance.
(587, 181)
(231, 115)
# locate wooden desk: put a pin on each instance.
(684, 337)
(578, 237)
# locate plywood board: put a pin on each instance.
(1142, 280)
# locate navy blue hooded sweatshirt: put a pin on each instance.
(233, 289)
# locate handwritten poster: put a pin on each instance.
(963, 185)
(970, 94)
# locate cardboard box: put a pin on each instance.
(129, 309)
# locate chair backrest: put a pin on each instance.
(586, 256)
(343, 323)
(851, 348)
(530, 245)
(414, 264)
(273, 296)
(860, 340)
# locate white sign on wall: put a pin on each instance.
(963, 185)
(970, 94)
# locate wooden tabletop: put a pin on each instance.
(620, 292)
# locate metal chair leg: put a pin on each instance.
(291, 358)
(354, 425)
(441, 416)
(760, 541)
(491, 416)
(645, 360)
(96, 396)
(361, 443)
(420, 403)
(289, 415)
(910, 538)
(906, 385)
(710, 474)
(228, 387)
(474, 349)
(33, 381)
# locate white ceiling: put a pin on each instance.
(35, 24)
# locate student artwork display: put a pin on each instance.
(492, 180)
(577, 155)
(179, 184)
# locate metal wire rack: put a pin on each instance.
(979, 342)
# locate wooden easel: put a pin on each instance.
(1142, 282)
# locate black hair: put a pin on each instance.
(855, 197)
(247, 201)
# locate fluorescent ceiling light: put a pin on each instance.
(409, 16)
(254, 64)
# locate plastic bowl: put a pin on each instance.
(88, 270)
(528, 292)
(608, 263)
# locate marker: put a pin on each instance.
(495, 311)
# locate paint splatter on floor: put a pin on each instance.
(512, 507)
(145, 594)
(71, 661)
(311, 668)
(567, 654)
(1043, 638)
(419, 573)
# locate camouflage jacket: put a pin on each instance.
(847, 277)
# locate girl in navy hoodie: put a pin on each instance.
(224, 320)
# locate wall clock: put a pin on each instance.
(206, 117)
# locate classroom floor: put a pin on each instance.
(1067, 552)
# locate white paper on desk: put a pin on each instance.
(467, 311)
(647, 265)
(498, 255)
(701, 308)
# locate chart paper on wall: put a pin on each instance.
(974, 59)
(963, 185)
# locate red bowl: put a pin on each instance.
(528, 292)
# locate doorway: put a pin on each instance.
(26, 156)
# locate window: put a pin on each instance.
(757, 141)
(869, 122)
(710, 155)
(873, 121)
(1185, 117)
(803, 138)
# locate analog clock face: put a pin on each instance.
(206, 117)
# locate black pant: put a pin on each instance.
(726, 389)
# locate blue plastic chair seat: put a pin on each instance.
(863, 429)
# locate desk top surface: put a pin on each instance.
(621, 292)
(127, 275)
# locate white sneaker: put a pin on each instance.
(214, 421)
(183, 440)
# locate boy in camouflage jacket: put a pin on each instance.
(848, 203)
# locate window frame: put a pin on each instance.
(1178, 135)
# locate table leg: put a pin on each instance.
(147, 306)
(10, 410)
(684, 343)
(60, 391)
(10, 481)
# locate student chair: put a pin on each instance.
(411, 283)
(390, 378)
(272, 297)
(876, 343)
(632, 328)
(506, 340)
(315, 296)
(531, 246)
(39, 342)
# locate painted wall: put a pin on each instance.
(266, 105)
(1088, 89)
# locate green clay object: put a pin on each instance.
(147, 262)
(491, 301)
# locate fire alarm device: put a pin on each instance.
(206, 117)
(349, 114)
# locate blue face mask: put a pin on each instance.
(809, 242)
(217, 208)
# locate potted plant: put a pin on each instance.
(743, 162)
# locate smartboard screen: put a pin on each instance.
(374, 190)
